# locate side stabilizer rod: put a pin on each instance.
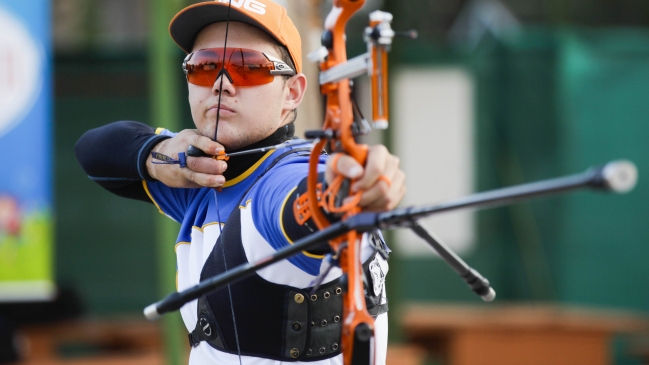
(471, 277)
(617, 176)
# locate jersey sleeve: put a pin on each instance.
(269, 198)
(113, 156)
(172, 202)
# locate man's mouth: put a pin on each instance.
(223, 109)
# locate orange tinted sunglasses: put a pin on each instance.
(243, 67)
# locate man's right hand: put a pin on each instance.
(200, 171)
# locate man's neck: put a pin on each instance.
(237, 165)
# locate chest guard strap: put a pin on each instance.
(206, 327)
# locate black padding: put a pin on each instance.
(296, 323)
(260, 307)
(326, 320)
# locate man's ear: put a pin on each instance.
(294, 92)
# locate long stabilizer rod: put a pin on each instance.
(617, 176)
(176, 300)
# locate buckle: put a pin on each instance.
(192, 341)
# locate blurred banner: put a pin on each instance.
(26, 221)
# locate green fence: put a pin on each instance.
(553, 102)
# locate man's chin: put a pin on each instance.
(223, 137)
(234, 140)
(232, 144)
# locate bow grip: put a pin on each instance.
(196, 152)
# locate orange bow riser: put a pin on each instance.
(358, 325)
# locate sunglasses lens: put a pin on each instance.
(246, 67)
(203, 67)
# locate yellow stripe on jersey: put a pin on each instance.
(281, 225)
(247, 173)
(210, 224)
(180, 243)
(159, 130)
(146, 188)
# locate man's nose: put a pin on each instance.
(224, 82)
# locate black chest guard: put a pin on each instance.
(273, 321)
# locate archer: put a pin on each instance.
(245, 83)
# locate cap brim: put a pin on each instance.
(188, 22)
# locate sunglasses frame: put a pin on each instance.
(280, 68)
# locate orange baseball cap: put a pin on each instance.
(264, 14)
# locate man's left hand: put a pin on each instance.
(378, 194)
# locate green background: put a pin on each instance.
(554, 102)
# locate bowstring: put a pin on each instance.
(222, 73)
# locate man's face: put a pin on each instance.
(248, 113)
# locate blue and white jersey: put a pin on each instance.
(202, 212)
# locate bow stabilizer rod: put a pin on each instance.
(471, 277)
(174, 301)
(617, 176)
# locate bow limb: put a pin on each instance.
(340, 115)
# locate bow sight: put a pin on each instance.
(378, 37)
